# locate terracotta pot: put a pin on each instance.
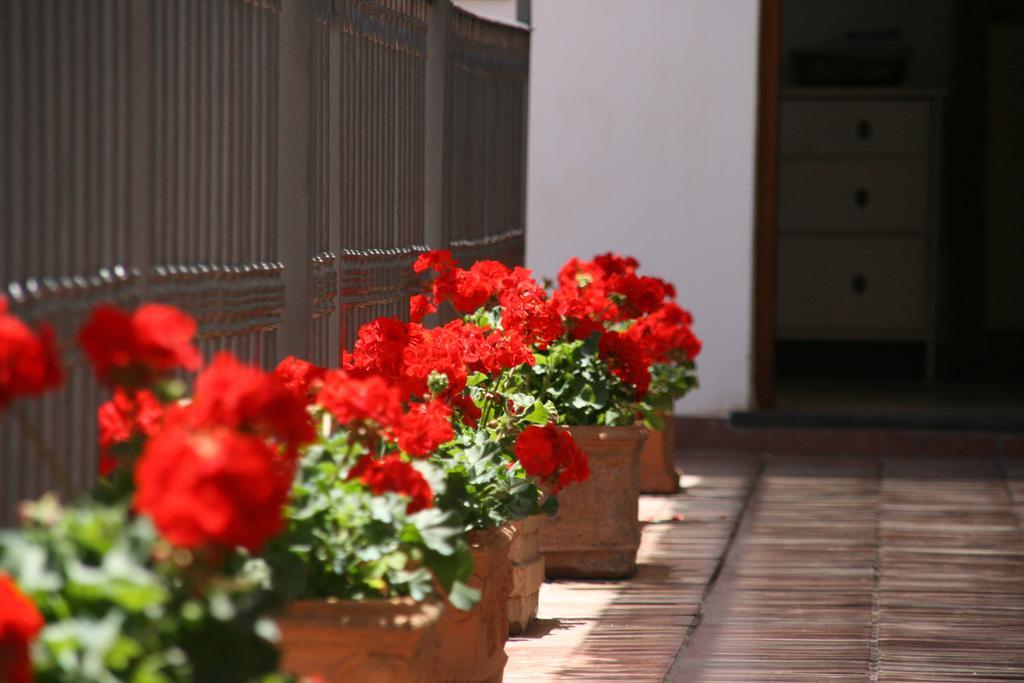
(472, 643)
(595, 533)
(527, 573)
(658, 473)
(362, 640)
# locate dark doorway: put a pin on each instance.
(890, 220)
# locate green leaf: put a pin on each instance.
(538, 414)
(463, 596)
(436, 530)
(475, 379)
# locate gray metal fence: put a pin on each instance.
(271, 166)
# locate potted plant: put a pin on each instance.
(580, 374)
(155, 581)
(367, 553)
(644, 310)
(470, 365)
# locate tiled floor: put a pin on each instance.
(805, 568)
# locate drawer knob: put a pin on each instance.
(864, 129)
(861, 197)
(859, 284)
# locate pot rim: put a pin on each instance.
(393, 613)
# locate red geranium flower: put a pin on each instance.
(29, 362)
(551, 454)
(420, 307)
(665, 333)
(425, 427)
(527, 310)
(355, 400)
(626, 359)
(299, 375)
(20, 623)
(132, 349)
(468, 410)
(124, 417)
(439, 260)
(212, 488)
(438, 350)
(232, 394)
(503, 350)
(393, 474)
(613, 264)
(640, 295)
(381, 345)
(468, 290)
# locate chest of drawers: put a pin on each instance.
(858, 214)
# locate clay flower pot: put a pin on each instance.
(527, 573)
(362, 640)
(472, 643)
(658, 473)
(596, 533)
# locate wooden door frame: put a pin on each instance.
(766, 201)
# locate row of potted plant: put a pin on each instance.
(388, 519)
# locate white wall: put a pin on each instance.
(642, 121)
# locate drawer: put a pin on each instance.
(854, 127)
(852, 287)
(852, 195)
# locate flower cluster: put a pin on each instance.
(212, 473)
(29, 363)
(551, 454)
(643, 333)
(617, 330)
(20, 623)
(133, 349)
(361, 479)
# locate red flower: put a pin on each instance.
(232, 394)
(583, 299)
(355, 400)
(527, 310)
(393, 474)
(502, 350)
(551, 454)
(665, 334)
(613, 264)
(124, 417)
(20, 623)
(577, 274)
(29, 362)
(468, 290)
(212, 488)
(439, 260)
(380, 347)
(626, 359)
(640, 295)
(300, 376)
(468, 410)
(425, 427)
(133, 349)
(420, 307)
(439, 350)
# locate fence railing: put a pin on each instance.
(267, 165)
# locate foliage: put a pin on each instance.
(345, 541)
(578, 388)
(122, 605)
(484, 485)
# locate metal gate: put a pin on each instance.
(271, 166)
